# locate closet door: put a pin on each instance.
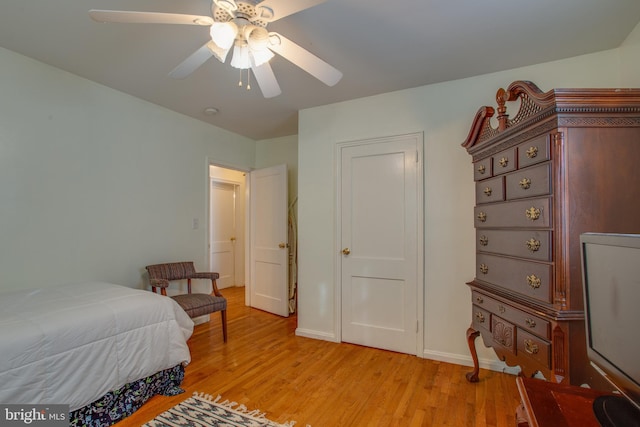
(380, 207)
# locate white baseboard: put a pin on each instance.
(464, 360)
(308, 333)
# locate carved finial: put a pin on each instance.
(502, 97)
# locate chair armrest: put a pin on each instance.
(211, 276)
(203, 275)
(161, 283)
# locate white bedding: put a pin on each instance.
(74, 343)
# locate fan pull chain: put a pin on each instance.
(248, 79)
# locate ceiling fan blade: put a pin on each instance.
(272, 10)
(193, 62)
(132, 17)
(266, 80)
(304, 59)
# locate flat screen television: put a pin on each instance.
(611, 284)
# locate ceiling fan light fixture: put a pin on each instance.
(258, 42)
(240, 57)
(223, 34)
(257, 37)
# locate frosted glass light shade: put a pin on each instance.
(240, 57)
(257, 40)
(223, 34)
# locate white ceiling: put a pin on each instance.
(380, 46)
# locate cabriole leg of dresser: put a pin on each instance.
(472, 334)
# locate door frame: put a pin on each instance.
(420, 285)
(245, 220)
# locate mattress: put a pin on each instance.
(72, 344)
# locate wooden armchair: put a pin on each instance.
(193, 304)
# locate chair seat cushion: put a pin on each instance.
(200, 304)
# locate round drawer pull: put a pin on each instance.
(530, 322)
(488, 191)
(480, 317)
(530, 347)
(504, 162)
(533, 281)
(533, 245)
(484, 241)
(481, 169)
(479, 300)
(533, 213)
(525, 183)
(484, 268)
(482, 217)
(532, 152)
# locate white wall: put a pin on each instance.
(444, 113)
(96, 184)
(277, 151)
(630, 59)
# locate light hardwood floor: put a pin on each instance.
(265, 366)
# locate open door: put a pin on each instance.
(269, 250)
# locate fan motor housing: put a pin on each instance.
(246, 10)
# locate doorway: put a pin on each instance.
(227, 217)
(248, 235)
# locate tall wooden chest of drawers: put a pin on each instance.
(568, 162)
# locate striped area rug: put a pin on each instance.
(203, 411)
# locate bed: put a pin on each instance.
(98, 347)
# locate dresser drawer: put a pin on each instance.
(529, 182)
(533, 348)
(490, 190)
(482, 169)
(503, 333)
(529, 213)
(524, 320)
(505, 161)
(481, 318)
(528, 278)
(534, 151)
(532, 244)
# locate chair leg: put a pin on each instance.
(224, 324)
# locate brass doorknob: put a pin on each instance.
(283, 245)
(346, 251)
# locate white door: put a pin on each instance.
(380, 207)
(269, 265)
(223, 232)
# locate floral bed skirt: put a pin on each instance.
(119, 404)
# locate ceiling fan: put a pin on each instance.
(240, 25)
